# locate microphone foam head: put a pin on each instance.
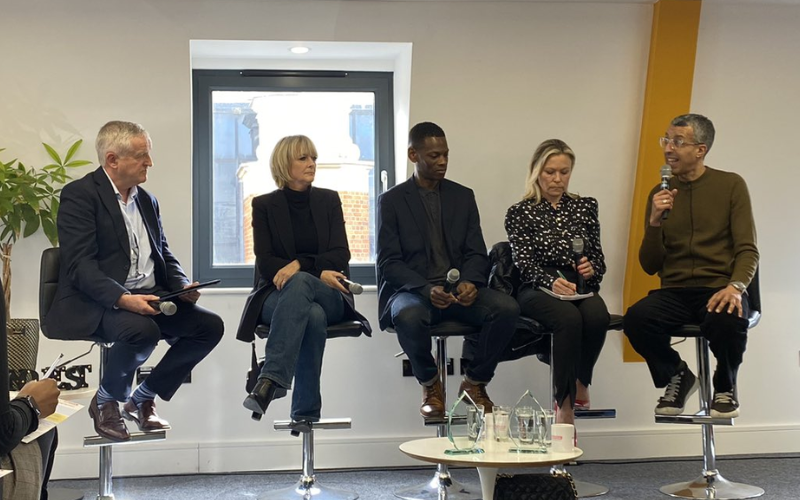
(666, 171)
(453, 275)
(577, 245)
(355, 288)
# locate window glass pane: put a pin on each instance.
(246, 126)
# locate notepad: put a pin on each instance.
(577, 296)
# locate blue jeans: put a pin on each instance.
(494, 313)
(299, 316)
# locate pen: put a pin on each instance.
(562, 276)
(53, 366)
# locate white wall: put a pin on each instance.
(499, 78)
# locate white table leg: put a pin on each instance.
(488, 477)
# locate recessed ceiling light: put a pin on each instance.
(299, 50)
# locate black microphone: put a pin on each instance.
(355, 288)
(666, 173)
(167, 308)
(452, 280)
(577, 255)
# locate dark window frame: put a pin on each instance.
(204, 82)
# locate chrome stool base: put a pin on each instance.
(712, 485)
(308, 490)
(440, 487)
(589, 490)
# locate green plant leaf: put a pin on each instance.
(52, 153)
(31, 225)
(77, 163)
(72, 150)
(50, 230)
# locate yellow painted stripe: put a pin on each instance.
(668, 93)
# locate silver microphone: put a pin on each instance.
(355, 288)
(666, 173)
(167, 308)
(577, 255)
(453, 276)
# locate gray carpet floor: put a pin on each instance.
(779, 476)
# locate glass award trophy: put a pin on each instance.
(524, 427)
(467, 441)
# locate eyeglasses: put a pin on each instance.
(676, 143)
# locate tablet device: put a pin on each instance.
(178, 293)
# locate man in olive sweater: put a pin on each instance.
(705, 254)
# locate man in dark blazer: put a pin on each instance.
(115, 261)
(427, 226)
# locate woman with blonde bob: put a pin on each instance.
(542, 229)
(301, 251)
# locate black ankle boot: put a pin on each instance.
(263, 393)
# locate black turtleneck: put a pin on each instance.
(305, 232)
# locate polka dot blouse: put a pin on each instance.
(541, 237)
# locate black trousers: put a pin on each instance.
(579, 331)
(650, 322)
(192, 332)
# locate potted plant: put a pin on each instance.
(29, 201)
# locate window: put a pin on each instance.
(238, 118)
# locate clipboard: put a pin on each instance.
(178, 293)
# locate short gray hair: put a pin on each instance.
(701, 126)
(116, 136)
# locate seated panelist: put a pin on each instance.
(426, 226)
(555, 241)
(301, 248)
(115, 261)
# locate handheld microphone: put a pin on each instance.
(666, 173)
(452, 280)
(355, 288)
(577, 255)
(167, 308)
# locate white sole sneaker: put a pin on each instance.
(678, 410)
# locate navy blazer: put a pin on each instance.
(273, 244)
(95, 255)
(403, 245)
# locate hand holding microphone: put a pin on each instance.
(355, 288)
(453, 276)
(577, 256)
(166, 307)
(442, 296)
(663, 200)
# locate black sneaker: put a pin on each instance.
(724, 405)
(682, 385)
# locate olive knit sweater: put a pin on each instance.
(709, 238)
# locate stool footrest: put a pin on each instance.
(324, 423)
(596, 413)
(136, 437)
(699, 418)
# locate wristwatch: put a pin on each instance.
(738, 285)
(32, 403)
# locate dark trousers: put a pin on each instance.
(493, 312)
(48, 442)
(579, 332)
(650, 322)
(192, 332)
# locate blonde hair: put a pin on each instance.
(287, 150)
(116, 136)
(550, 147)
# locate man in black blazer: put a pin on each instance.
(426, 226)
(114, 262)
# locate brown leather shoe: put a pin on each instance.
(107, 420)
(145, 416)
(478, 394)
(432, 401)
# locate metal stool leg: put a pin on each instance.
(106, 475)
(441, 486)
(710, 484)
(308, 487)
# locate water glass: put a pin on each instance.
(544, 427)
(501, 419)
(525, 424)
(474, 421)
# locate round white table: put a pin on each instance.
(495, 455)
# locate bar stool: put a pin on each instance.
(711, 484)
(48, 283)
(442, 486)
(308, 487)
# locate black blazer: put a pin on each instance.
(95, 255)
(273, 244)
(402, 260)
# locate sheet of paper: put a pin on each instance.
(64, 410)
(577, 296)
